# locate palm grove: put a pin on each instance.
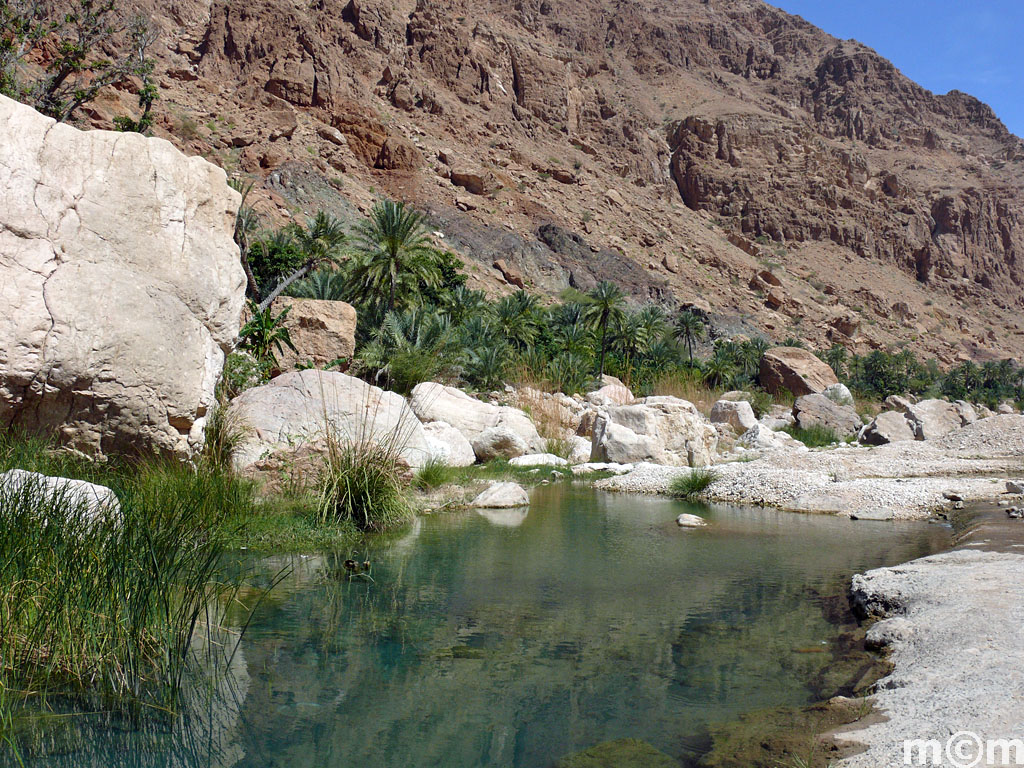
(418, 321)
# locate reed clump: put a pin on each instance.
(692, 484)
(101, 604)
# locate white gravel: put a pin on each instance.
(957, 640)
(903, 480)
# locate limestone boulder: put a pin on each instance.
(663, 430)
(538, 460)
(435, 402)
(302, 410)
(796, 370)
(322, 331)
(839, 394)
(449, 445)
(898, 402)
(580, 448)
(610, 394)
(499, 443)
(76, 497)
(686, 520)
(736, 413)
(120, 284)
(502, 496)
(888, 427)
(820, 411)
(766, 440)
(967, 412)
(933, 418)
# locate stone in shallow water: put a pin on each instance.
(620, 753)
(690, 521)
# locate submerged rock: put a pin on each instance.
(620, 753)
(690, 521)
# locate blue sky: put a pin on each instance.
(975, 47)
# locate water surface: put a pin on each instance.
(512, 639)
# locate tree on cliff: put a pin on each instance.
(73, 40)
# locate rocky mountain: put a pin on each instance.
(718, 153)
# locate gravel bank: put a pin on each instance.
(956, 632)
(904, 480)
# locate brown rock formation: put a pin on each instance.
(675, 147)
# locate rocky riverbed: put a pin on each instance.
(952, 624)
(903, 480)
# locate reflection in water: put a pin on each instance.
(511, 641)
(505, 518)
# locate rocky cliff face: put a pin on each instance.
(120, 285)
(681, 148)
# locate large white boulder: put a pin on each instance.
(94, 502)
(435, 402)
(502, 496)
(579, 449)
(736, 413)
(499, 443)
(821, 411)
(887, 427)
(663, 430)
(610, 394)
(120, 285)
(449, 445)
(762, 438)
(933, 418)
(306, 408)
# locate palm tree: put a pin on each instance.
(323, 284)
(394, 254)
(408, 348)
(461, 303)
(836, 359)
(604, 305)
(515, 315)
(319, 242)
(719, 370)
(689, 328)
(630, 340)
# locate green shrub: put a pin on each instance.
(433, 474)
(241, 372)
(693, 483)
(222, 435)
(362, 483)
(813, 437)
